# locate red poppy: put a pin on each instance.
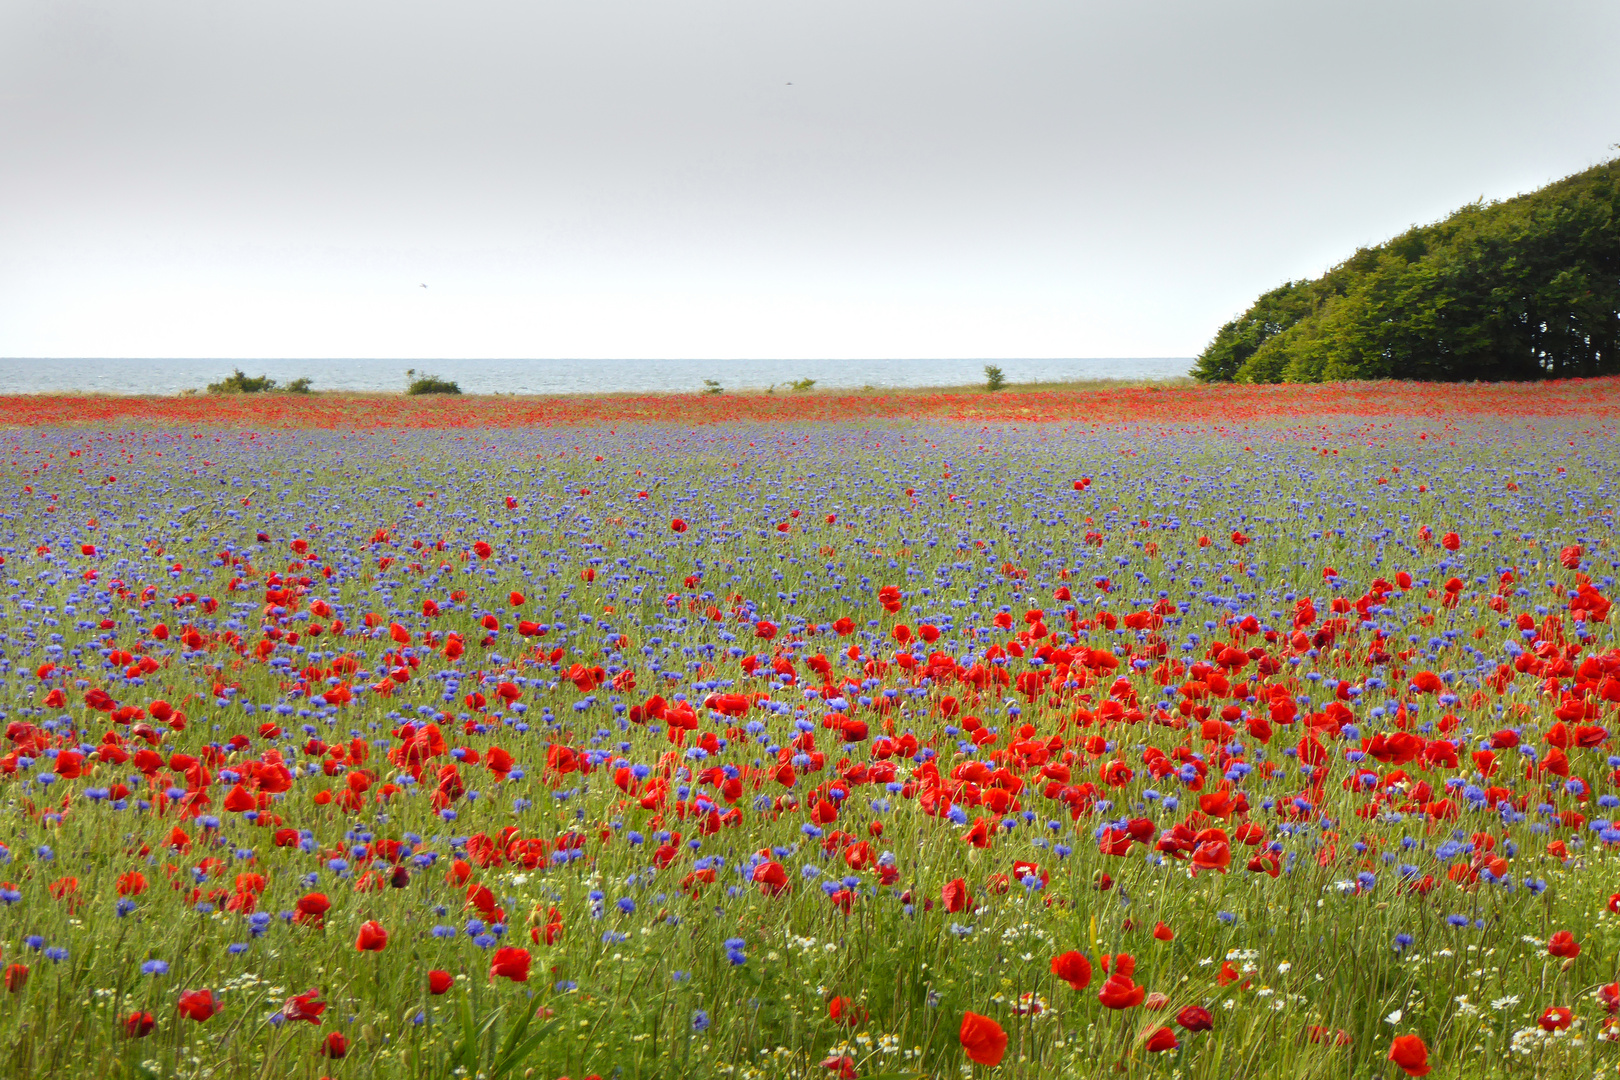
(1195, 1018)
(1410, 1054)
(677, 525)
(1122, 964)
(312, 907)
(772, 878)
(1563, 944)
(373, 938)
(440, 981)
(335, 1045)
(1212, 855)
(955, 896)
(515, 599)
(198, 1005)
(1556, 1018)
(1163, 933)
(982, 1039)
(1119, 992)
(305, 1006)
(138, 1025)
(1451, 541)
(1161, 1040)
(511, 964)
(841, 1010)
(840, 1065)
(1072, 968)
(16, 977)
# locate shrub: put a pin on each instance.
(239, 383)
(994, 378)
(424, 383)
(711, 386)
(801, 386)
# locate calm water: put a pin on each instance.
(125, 376)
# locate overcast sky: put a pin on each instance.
(730, 178)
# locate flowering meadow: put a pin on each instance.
(1256, 732)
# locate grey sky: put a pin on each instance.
(629, 178)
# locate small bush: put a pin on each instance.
(994, 379)
(801, 386)
(238, 383)
(711, 386)
(429, 384)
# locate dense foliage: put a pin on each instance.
(423, 383)
(1244, 747)
(1527, 288)
(237, 382)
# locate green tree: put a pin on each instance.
(1526, 288)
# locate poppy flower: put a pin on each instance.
(138, 1025)
(1121, 964)
(1161, 1040)
(373, 938)
(312, 907)
(1119, 992)
(306, 1006)
(510, 963)
(840, 1065)
(772, 878)
(1563, 943)
(198, 1005)
(1162, 932)
(1212, 855)
(982, 1039)
(955, 896)
(677, 525)
(1556, 1018)
(1410, 1054)
(16, 977)
(1073, 968)
(1195, 1018)
(841, 1010)
(335, 1045)
(440, 981)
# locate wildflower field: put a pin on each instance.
(1206, 733)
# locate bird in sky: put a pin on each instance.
(424, 286)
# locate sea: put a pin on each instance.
(110, 375)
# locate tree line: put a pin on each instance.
(1525, 288)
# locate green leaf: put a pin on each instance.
(515, 1034)
(466, 1051)
(515, 1057)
